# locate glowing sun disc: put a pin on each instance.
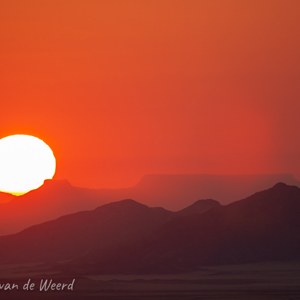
(25, 162)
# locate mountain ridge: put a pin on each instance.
(173, 192)
(130, 237)
(237, 233)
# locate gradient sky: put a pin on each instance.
(119, 89)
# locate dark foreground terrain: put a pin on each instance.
(251, 281)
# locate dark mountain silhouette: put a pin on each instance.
(129, 237)
(199, 207)
(76, 234)
(263, 227)
(174, 192)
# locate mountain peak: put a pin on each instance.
(280, 185)
(199, 207)
(206, 201)
(124, 204)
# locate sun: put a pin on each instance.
(25, 162)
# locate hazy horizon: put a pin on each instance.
(122, 89)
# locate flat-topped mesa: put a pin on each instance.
(56, 183)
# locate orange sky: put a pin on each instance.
(119, 89)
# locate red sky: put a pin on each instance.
(119, 89)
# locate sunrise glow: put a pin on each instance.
(25, 162)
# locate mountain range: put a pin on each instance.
(130, 237)
(174, 192)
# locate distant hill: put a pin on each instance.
(129, 237)
(174, 192)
